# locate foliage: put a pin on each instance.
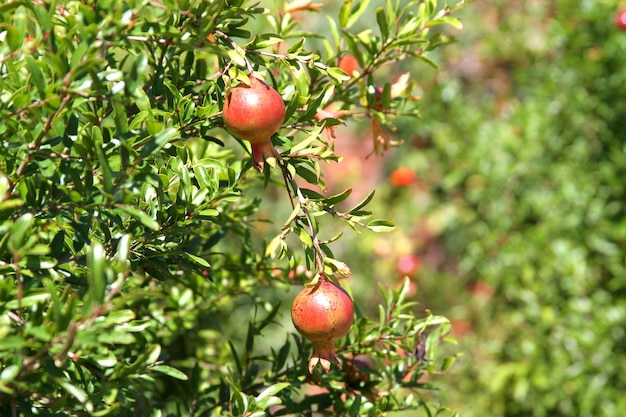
(135, 278)
(528, 168)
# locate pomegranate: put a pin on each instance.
(402, 177)
(349, 64)
(620, 19)
(254, 113)
(323, 314)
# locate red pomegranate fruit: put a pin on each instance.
(323, 314)
(254, 113)
(620, 19)
(349, 64)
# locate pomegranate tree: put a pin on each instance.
(323, 314)
(254, 113)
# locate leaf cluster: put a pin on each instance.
(128, 220)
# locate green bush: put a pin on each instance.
(137, 276)
(529, 162)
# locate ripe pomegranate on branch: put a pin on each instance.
(254, 113)
(323, 314)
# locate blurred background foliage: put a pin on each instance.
(510, 198)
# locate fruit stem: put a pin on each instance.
(291, 184)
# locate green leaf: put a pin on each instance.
(304, 236)
(28, 300)
(338, 198)
(14, 37)
(10, 372)
(447, 20)
(297, 46)
(97, 262)
(276, 248)
(158, 141)
(364, 202)
(12, 342)
(144, 218)
(116, 337)
(170, 371)
(18, 232)
(107, 175)
(153, 354)
(381, 18)
(354, 408)
(36, 75)
(356, 13)
(198, 260)
(344, 13)
(264, 40)
(118, 317)
(8, 6)
(74, 390)
(269, 392)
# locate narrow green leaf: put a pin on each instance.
(297, 46)
(43, 13)
(250, 338)
(14, 37)
(338, 198)
(303, 144)
(10, 372)
(6, 388)
(123, 248)
(158, 141)
(118, 317)
(5, 7)
(18, 232)
(108, 361)
(447, 20)
(12, 342)
(28, 300)
(153, 354)
(36, 75)
(363, 203)
(116, 337)
(97, 262)
(198, 260)
(144, 218)
(272, 390)
(55, 303)
(356, 12)
(120, 117)
(311, 194)
(304, 236)
(344, 13)
(354, 409)
(73, 390)
(235, 357)
(264, 40)
(111, 410)
(78, 53)
(381, 18)
(382, 319)
(107, 174)
(447, 363)
(170, 371)
(337, 74)
(276, 248)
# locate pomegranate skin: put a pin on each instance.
(253, 113)
(323, 314)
